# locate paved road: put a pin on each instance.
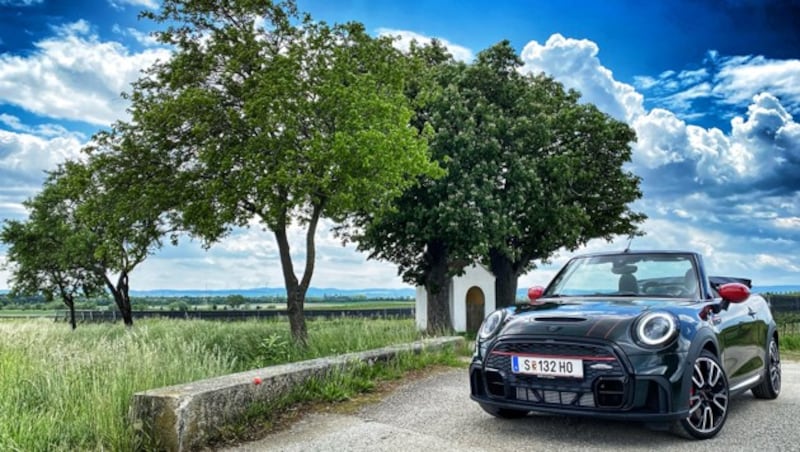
(435, 414)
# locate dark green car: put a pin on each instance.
(644, 336)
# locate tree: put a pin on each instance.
(558, 170)
(265, 114)
(530, 170)
(125, 203)
(236, 300)
(46, 252)
(430, 234)
(97, 221)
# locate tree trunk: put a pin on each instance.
(437, 287)
(121, 297)
(70, 302)
(295, 300)
(72, 322)
(295, 294)
(506, 279)
(125, 300)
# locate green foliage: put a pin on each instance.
(87, 377)
(286, 120)
(50, 251)
(530, 170)
(179, 306)
(235, 301)
(274, 349)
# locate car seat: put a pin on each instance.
(690, 283)
(628, 283)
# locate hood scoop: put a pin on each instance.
(560, 319)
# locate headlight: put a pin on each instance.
(656, 328)
(491, 325)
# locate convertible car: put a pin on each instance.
(634, 335)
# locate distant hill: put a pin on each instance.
(313, 292)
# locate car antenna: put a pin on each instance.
(630, 240)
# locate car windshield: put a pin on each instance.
(657, 275)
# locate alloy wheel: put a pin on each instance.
(708, 400)
(775, 366)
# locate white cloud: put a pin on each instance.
(682, 100)
(766, 261)
(43, 130)
(575, 63)
(24, 158)
(741, 78)
(729, 195)
(120, 4)
(249, 258)
(404, 39)
(788, 223)
(73, 75)
(145, 39)
(661, 139)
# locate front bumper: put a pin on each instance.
(645, 387)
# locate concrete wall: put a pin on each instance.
(186, 417)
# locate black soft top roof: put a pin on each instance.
(717, 281)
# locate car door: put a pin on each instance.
(742, 351)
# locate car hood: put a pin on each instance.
(587, 317)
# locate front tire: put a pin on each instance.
(503, 413)
(708, 399)
(771, 386)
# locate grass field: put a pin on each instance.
(28, 313)
(71, 390)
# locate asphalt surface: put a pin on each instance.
(436, 414)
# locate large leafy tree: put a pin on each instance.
(125, 205)
(431, 234)
(45, 253)
(265, 114)
(530, 171)
(105, 221)
(556, 166)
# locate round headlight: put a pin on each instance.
(491, 325)
(656, 328)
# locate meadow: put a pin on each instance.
(71, 390)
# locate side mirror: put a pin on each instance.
(734, 292)
(535, 292)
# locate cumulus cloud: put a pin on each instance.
(731, 194)
(73, 75)
(24, 158)
(575, 63)
(404, 39)
(761, 151)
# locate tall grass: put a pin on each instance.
(71, 390)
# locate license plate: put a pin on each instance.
(547, 366)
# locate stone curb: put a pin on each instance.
(185, 417)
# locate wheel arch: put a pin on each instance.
(705, 339)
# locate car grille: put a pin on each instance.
(603, 384)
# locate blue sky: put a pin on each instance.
(712, 88)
